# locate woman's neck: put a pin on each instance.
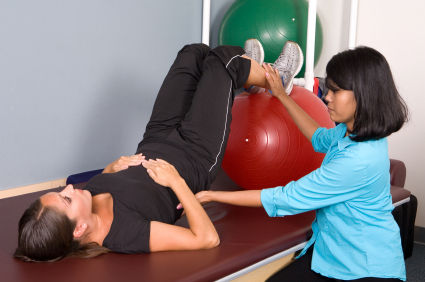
(102, 218)
(350, 126)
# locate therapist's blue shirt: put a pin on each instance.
(354, 233)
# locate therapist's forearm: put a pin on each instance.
(248, 198)
(305, 123)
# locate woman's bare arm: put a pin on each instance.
(246, 198)
(201, 233)
(305, 123)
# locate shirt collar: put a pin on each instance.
(344, 141)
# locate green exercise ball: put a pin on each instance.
(272, 22)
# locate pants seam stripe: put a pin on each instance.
(227, 114)
(225, 126)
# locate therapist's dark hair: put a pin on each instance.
(380, 109)
(46, 234)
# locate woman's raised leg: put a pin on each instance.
(175, 95)
(193, 107)
(206, 126)
(257, 75)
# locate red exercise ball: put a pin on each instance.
(265, 147)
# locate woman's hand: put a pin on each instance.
(162, 172)
(124, 162)
(275, 81)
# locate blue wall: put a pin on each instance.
(78, 79)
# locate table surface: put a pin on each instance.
(247, 236)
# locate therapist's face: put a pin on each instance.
(342, 106)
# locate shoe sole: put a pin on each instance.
(262, 53)
(261, 61)
(300, 65)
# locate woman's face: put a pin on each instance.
(75, 203)
(342, 106)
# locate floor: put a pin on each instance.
(415, 265)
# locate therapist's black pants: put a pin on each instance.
(194, 104)
(300, 271)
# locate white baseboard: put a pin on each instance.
(32, 188)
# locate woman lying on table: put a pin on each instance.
(128, 208)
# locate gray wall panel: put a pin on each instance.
(78, 80)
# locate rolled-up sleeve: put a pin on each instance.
(267, 200)
(323, 137)
(331, 183)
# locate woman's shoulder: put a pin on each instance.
(370, 148)
(337, 131)
(371, 154)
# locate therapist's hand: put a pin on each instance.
(203, 197)
(274, 80)
(124, 162)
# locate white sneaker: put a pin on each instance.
(289, 64)
(254, 50)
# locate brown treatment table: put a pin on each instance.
(249, 239)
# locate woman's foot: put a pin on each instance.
(289, 64)
(254, 50)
